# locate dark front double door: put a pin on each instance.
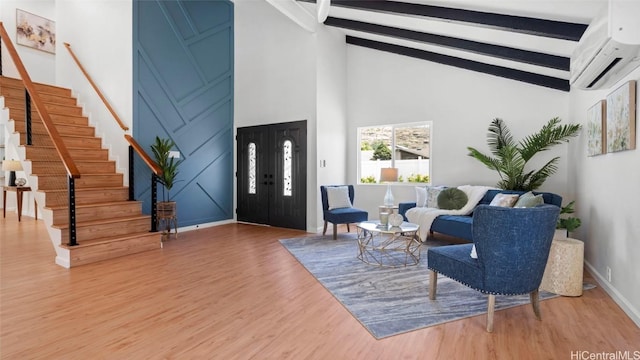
(272, 177)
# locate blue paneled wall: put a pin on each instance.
(183, 89)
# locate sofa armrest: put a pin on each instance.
(403, 207)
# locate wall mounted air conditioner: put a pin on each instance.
(610, 47)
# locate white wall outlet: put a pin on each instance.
(608, 274)
(174, 154)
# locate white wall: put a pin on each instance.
(275, 78)
(607, 193)
(386, 88)
(39, 64)
(100, 34)
(332, 112)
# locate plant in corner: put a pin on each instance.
(569, 224)
(169, 165)
(509, 158)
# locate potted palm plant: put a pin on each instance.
(567, 224)
(509, 158)
(166, 209)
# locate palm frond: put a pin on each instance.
(499, 136)
(539, 177)
(511, 166)
(549, 135)
(488, 161)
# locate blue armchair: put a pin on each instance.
(345, 215)
(512, 246)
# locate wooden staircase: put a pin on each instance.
(107, 224)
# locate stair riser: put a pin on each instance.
(102, 180)
(69, 141)
(37, 152)
(37, 127)
(17, 96)
(50, 167)
(129, 208)
(60, 198)
(90, 254)
(56, 108)
(18, 116)
(110, 229)
(86, 181)
(40, 88)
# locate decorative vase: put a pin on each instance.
(395, 219)
(384, 218)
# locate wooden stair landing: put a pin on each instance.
(108, 225)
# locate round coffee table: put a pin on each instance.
(389, 246)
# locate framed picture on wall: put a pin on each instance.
(597, 129)
(621, 118)
(35, 31)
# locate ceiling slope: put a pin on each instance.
(502, 42)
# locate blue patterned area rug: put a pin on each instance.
(390, 301)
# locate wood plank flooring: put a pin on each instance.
(233, 292)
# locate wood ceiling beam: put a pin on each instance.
(527, 25)
(519, 75)
(503, 52)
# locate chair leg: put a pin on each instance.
(433, 283)
(324, 231)
(348, 230)
(535, 303)
(335, 231)
(490, 310)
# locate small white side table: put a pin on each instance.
(564, 271)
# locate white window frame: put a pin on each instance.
(393, 153)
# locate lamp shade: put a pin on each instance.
(388, 174)
(11, 165)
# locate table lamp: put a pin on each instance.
(12, 166)
(388, 175)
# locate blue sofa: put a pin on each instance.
(460, 225)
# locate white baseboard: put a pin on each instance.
(205, 225)
(626, 306)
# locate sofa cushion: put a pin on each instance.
(454, 225)
(527, 200)
(504, 200)
(452, 199)
(432, 195)
(338, 197)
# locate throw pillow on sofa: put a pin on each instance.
(432, 195)
(528, 200)
(452, 199)
(421, 196)
(338, 197)
(504, 200)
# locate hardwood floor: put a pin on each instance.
(233, 292)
